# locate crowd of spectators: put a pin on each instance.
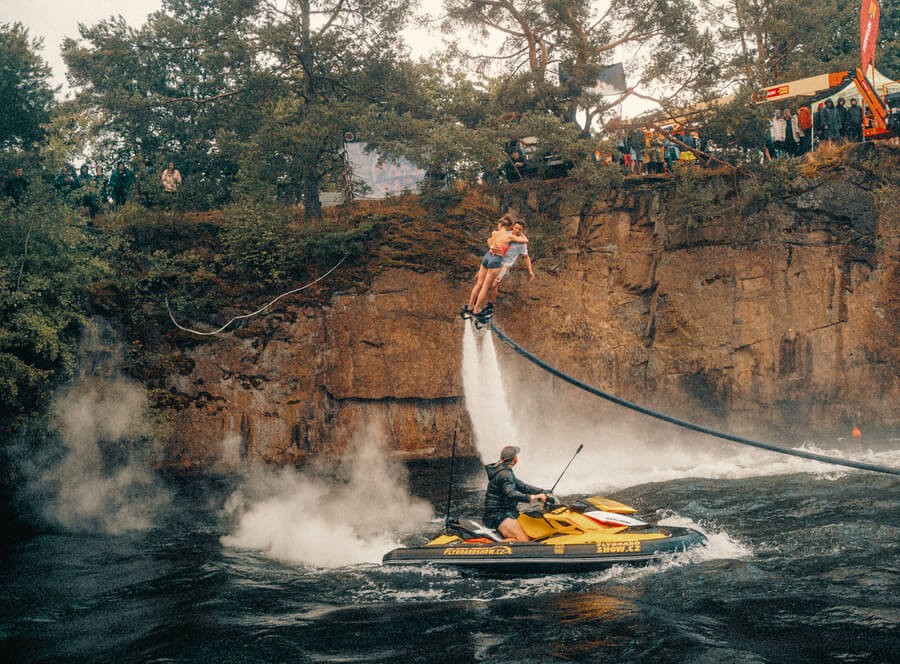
(651, 151)
(793, 134)
(93, 191)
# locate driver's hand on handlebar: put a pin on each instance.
(540, 496)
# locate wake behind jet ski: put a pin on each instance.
(589, 534)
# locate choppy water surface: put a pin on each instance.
(800, 568)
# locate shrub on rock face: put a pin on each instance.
(47, 266)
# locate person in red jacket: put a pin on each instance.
(804, 120)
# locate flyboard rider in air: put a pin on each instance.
(491, 264)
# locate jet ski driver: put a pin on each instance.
(504, 492)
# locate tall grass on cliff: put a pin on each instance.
(701, 197)
(49, 259)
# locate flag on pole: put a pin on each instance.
(870, 12)
(610, 82)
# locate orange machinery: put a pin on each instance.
(875, 111)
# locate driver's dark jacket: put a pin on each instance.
(504, 491)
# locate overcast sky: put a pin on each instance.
(54, 20)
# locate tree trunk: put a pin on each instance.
(311, 202)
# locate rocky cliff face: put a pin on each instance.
(786, 320)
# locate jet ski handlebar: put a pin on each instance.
(540, 507)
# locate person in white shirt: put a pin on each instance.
(509, 259)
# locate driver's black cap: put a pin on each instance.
(509, 452)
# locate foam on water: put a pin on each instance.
(719, 544)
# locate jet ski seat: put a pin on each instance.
(473, 528)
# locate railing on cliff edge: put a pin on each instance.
(684, 423)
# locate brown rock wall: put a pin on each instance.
(786, 322)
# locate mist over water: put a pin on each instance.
(549, 419)
(103, 481)
(354, 514)
(97, 474)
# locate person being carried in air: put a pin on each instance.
(498, 243)
(504, 492)
(509, 259)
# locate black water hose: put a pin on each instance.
(684, 423)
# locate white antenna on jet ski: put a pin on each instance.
(580, 447)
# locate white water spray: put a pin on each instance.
(492, 421)
(621, 449)
(97, 474)
(328, 521)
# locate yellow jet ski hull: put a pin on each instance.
(591, 534)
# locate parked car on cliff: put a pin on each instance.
(527, 159)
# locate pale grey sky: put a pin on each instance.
(57, 19)
(54, 20)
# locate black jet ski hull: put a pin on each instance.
(538, 558)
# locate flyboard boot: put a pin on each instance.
(483, 317)
(465, 313)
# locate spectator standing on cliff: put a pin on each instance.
(654, 153)
(638, 142)
(819, 124)
(88, 195)
(624, 147)
(171, 179)
(769, 145)
(855, 121)
(671, 152)
(843, 115)
(64, 182)
(120, 183)
(793, 135)
(101, 185)
(779, 132)
(805, 123)
(16, 185)
(831, 122)
(687, 157)
(84, 176)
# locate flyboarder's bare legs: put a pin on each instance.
(489, 276)
(476, 290)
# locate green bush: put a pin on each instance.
(48, 260)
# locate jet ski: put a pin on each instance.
(589, 534)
